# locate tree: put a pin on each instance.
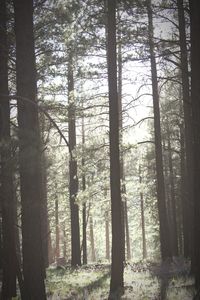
(116, 284)
(195, 98)
(7, 191)
(29, 151)
(73, 176)
(144, 243)
(126, 235)
(84, 216)
(57, 247)
(187, 205)
(163, 222)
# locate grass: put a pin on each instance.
(92, 283)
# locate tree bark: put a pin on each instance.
(188, 207)
(123, 188)
(182, 210)
(195, 97)
(163, 223)
(7, 188)
(73, 182)
(1, 244)
(117, 282)
(29, 152)
(84, 235)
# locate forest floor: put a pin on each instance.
(143, 281)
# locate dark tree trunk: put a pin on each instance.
(84, 235)
(29, 151)
(126, 236)
(7, 191)
(195, 97)
(93, 255)
(144, 243)
(183, 226)
(1, 244)
(163, 223)
(73, 182)
(117, 282)
(188, 206)
(123, 188)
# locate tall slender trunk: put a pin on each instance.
(163, 223)
(123, 188)
(144, 243)
(7, 191)
(126, 235)
(73, 182)
(195, 97)
(187, 109)
(183, 211)
(174, 234)
(44, 214)
(93, 255)
(107, 231)
(117, 281)
(1, 244)
(84, 234)
(84, 204)
(57, 250)
(64, 244)
(29, 151)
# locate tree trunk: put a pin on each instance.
(127, 235)
(7, 190)
(29, 151)
(123, 188)
(44, 214)
(174, 234)
(57, 250)
(1, 244)
(73, 182)
(107, 236)
(64, 244)
(84, 204)
(117, 282)
(93, 255)
(195, 97)
(183, 211)
(144, 243)
(163, 223)
(188, 206)
(84, 235)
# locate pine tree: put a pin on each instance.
(29, 151)
(117, 284)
